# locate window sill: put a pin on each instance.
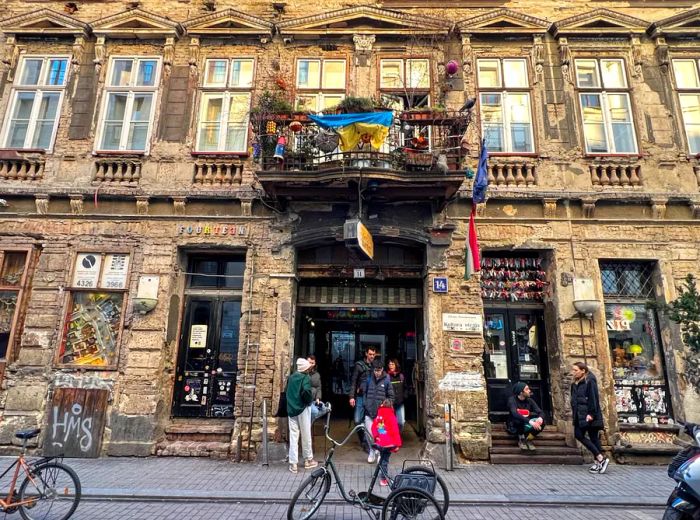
(118, 153)
(514, 154)
(635, 156)
(242, 155)
(17, 153)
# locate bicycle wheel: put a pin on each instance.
(442, 496)
(411, 504)
(50, 492)
(309, 496)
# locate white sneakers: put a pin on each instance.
(372, 457)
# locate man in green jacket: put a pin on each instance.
(299, 398)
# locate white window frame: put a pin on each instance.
(40, 89)
(131, 90)
(504, 91)
(687, 91)
(226, 91)
(403, 75)
(321, 93)
(604, 92)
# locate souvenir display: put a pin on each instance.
(513, 279)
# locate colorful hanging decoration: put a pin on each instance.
(271, 127)
(513, 279)
(295, 126)
(279, 149)
(354, 129)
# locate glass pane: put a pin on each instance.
(690, 107)
(199, 339)
(518, 108)
(121, 73)
(31, 73)
(19, 123)
(307, 102)
(57, 72)
(147, 73)
(418, 72)
(334, 74)
(236, 137)
(496, 351)
(686, 73)
(618, 106)
(613, 73)
(620, 117)
(49, 105)
(489, 73)
(309, 74)
(206, 273)
(93, 323)
(215, 74)
(526, 339)
(112, 136)
(23, 106)
(238, 108)
(230, 326)
(17, 134)
(330, 101)
(114, 119)
(515, 73)
(242, 73)
(391, 74)
(42, 134)
(12, 268)
(208, 137)
(212, 107)
(587, 73)
(138, 134)
(8, 305)
(141, 110)
(593, 126)
(234, 270)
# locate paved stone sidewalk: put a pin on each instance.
(205, 479)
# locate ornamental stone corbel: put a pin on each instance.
(168, 55)
(549, 207)
(142, 204)
(363, 48)
(41, 200)
(658, 208)
(76, 204)
(194, 55)
(695, 209)
(10, 56)
(179, 205)
(566, 59)
(537, 58)
(662, 54)
(588, 207)
(467, 55)
(636, 56)
(100, 54)
(78, 51)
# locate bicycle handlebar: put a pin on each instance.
(346, 439)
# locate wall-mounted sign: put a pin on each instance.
(471, 323)
(87, 270)
(457, 344)
(462, 382)
(198, 336)
(357, 235)
(115, 271)
(213, 230)
(618, 325)
(440, 284)
(358, 272)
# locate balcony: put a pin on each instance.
(421, 159)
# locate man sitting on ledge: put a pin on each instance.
(525, 419)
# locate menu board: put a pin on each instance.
(87, 270)
(115, 271)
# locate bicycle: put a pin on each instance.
(412, 493)
(50, 490)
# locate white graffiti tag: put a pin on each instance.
(72, 425)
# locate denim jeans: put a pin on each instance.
(359, 418)
(400, 416)
(318, 410)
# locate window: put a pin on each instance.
(641, 394)
(93, 321)
(129, 104)
(225, 105)
(506, 119)
(605, 106)
(320, 84)
(35, 102)
(688, 85)
(400, 74)
(13, 267)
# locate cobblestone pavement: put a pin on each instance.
(92, 510)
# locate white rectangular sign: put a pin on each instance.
(87, 270)
(472, 323)
(358, 272)
(115, 270)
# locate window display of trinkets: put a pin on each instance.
(513, 279)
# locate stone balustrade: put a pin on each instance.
(512, 172)
(218, 172)
(615, 175)
(118, 170)
(21, 169)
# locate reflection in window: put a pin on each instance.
(687, 77)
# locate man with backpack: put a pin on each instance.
(360, 372)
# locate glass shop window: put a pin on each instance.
(13, 266)
(217, 273)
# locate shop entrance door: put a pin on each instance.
(515, 351)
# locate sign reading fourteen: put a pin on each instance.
(472, 323)
(440, 284)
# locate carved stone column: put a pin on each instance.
(78, 51)
(168, 56)
(549, 208)
(363, 48)
(636, 56)
(662, 54)
(537, 58)
(194, 55)
(10, 56)
(100, 55)
(566, 59)
(658, 209)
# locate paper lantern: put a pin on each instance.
(295, 126)
(452, 67)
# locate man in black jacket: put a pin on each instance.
(358, 380)
(525, 417)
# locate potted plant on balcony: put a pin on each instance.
(354, 105)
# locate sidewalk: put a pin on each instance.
(208, 480)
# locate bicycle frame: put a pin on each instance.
(18, 464)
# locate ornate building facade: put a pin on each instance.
(175, 229)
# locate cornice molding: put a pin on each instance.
(211, 24)
(500, 20)
(681, 24)
(44, 22)
(599, 22)
(136, 23)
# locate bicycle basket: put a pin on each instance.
(421, 481)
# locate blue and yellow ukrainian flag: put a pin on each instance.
(369, 127)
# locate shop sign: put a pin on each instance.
(440, 284)
(218, 230)
(462, 382)
(116, 268)
(618, 325)
(471, 323)
(87, 270)
(356, 234)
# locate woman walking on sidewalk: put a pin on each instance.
(587, 416)
(299, 396)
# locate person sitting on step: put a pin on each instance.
(525, 418)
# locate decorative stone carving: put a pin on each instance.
(179, 205)
(695, 209)
(636, 56)
(549, 207)
(467, 55)
(42, 203)
(10, 56)
(566, 59)
(658, 209)
(537, 58)
(78, 51)
(76, 204)
(588, 207)
(364, 42)
(99, 54)
(662, 54)
(168, 55)
(481, 209)
(142, 204)
(246, 208)
(194, 55)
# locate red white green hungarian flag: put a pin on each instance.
(472, 261)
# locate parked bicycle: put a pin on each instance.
(418, 492)
(50, 489)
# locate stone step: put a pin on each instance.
(218, 450)
(544, 441)
(507, 458)
(548, 435)
(182, 428)
(541, 450)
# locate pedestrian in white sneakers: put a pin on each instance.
(299, 399)
(587, 416)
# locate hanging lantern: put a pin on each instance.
(451, 67)
(295, 126)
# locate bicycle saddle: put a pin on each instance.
(28, 434)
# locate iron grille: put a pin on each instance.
(627, 279)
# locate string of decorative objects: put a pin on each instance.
(513, 279)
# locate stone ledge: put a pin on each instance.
(221, 429)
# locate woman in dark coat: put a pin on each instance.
(587, 416)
